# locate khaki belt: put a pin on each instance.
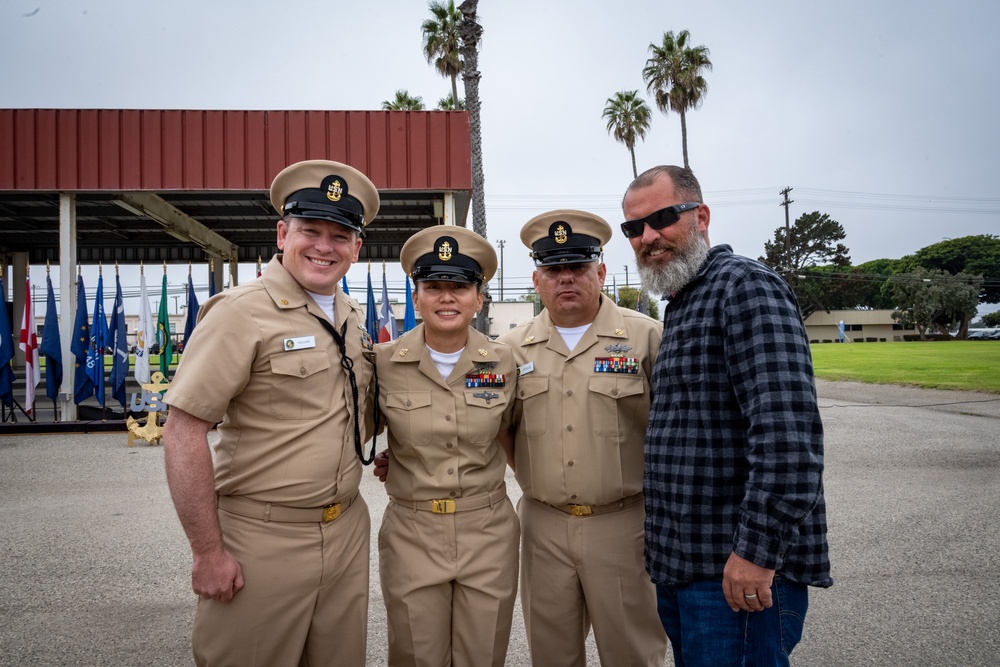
(452, 505)
(590, 510)
(255, 509)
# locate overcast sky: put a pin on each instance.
(882, 114)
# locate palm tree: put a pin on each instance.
(447, 104)
(470, 33)
(674, 74)
(628, 119)
(404, 102)
(442, 43)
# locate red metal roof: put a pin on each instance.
(129, 149)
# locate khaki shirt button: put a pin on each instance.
(448, 445)
(302, 371)
(451, 471)
(614, 392)
(573, 497)
(447, 418)
(569, 428)
(409, 403)
(451, 493)
(569, 393)
(521, 393)
(571, 464)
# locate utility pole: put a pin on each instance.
(626, 275)
(501, 244)
(788, 230)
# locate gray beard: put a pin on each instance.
(670, 279)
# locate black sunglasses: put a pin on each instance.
(657, 220)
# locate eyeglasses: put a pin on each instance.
(657, 220)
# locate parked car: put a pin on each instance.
(979, 334)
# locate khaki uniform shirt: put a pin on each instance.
(579, 430)
(442, 433)
(287, 432)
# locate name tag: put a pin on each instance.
(300, 343)
(526, 368)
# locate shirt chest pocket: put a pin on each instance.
(483, 410)
(301, 384)
(410, 418)
(619, 403)
(533, 392)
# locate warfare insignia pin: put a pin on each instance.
(486, 396)
(617, 349)
(484, 365)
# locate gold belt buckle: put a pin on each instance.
(446, 506)
(580, 510)
(331, 512)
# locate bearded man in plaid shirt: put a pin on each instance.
(735, 515)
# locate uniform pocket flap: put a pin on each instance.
(617, 385)
(532, 385)
(485, 398)
(300, 364)
(408, 400)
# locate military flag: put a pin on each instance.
(98, 342)
(387, 327)
(6, 352)
(163, 330)
(29, 344)
(410, 315)
(119, 343)
(52, 345)
(145, 334)
(83, 387)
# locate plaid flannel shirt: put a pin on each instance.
(734, 449)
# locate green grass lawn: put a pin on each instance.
(957, 364)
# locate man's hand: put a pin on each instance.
(746, 586)
(216, 576)
(381, 469)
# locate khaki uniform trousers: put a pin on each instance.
(305, 598)
(583, 570)
(449, 583)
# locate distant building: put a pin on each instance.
(865, 326)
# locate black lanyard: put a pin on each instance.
(348, 365)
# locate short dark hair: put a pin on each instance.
(686, 185)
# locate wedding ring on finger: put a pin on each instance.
(752, 596)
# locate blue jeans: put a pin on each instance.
(705, 632)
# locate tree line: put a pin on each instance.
(936, 290)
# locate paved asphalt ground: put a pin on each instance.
(94, 567)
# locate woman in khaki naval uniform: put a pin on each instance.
(448, 544)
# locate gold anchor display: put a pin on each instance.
(152, 430)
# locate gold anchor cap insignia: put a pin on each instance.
(561, 234)
(334, 191)
(444, 251)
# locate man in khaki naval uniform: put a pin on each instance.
(579, 421)
(448, 540)
(278, 532)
